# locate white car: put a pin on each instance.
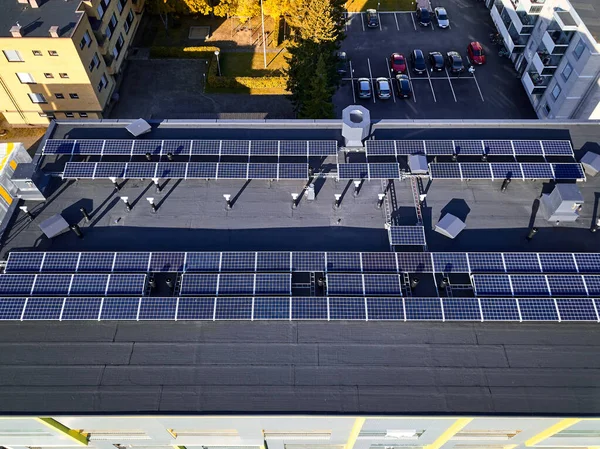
(383, 88)
(442, 17)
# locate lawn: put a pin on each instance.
(384, 5)
(252, 64)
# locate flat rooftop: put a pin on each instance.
(36, 22)
(589, 11)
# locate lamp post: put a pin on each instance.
(218, 63)
(262, 18)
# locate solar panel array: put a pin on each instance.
(536, 285)
(369, 171)
(407, 235)
(184, 170)
(300, 308)
(237, 284)
(131, 147)
(470, 147)
(503, 170)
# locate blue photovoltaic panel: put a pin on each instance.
(176, 147)
(445, 171)
(529, 285)
(79, 170)
(273, 261)
(322, 147)
(380, 147)
(499, 309)
(308, 261)
(235, 147)
(126, 284)
(423, 308)
(96, 262)
(16, 284)
(89, 284)
(158, 308)
(88, 147)
(557, 148)
(43, 308)
(132, 262)
(557, 263)
(405, 147)
(414, 262)
(537, 171)
(450, 262)
(232, 171)
(171, 170)
(264, 147)
(81, 309)
(384, 171)
(491, 284)
(115, 147)
(147, 146)
(587, 263)
(196, 308)
(471, 147)
(238, 261)
(576, 309)
(206, 147)
(527, 147)
(233, 309)
(343, 262)
(202, 261)
(293, 171)
(476, 171)
(293, 148)
(344, 284)
(120, 308)
(382, 284)
(498, 147)
(568, 171)
(385, 309)
(199, 284)
(538, 309)
(110, 170)
(439, 147)
(566, 285)
(202, 170)
(522, 263)
(458, 309)
(262, 171)
(506, 170)
(24, 262)
(407, 235)
(11, 308)
(353, 171)
(486, 262)
(167, 261)
(593, 285)
(384, 262)
(140, 170)
(272, 308)
(347, 309)
(58, 146)
(54, 262)
(273, 284)
(309, 308)
(236, 284)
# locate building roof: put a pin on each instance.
(36, 22)
(589, 11)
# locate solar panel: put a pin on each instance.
(202, 261)
(353, 171)
(110, 170)
(236, 284)
(16, 284)
(385, 309)
(120, 308)
(24, 262)
(384, 171)
(439, 147)
(529, 285)
(293, 171)
(118, 147)
(264, 147)
(58, 146)
(322, 147)
(414, 262)
(499, 309)
(537, 171)
(126, 284)
(476, 171)
(202, 170)
(273, 284)
(347, 309)
(79, 170)
(81, 309)
(522, 263)
(176, 147)
(568, 171)
(88, 147)
(423, 308)
(406, 147)
(528, 148)
(196, 308)
(461, 309)
(593, 285)
(206, 147)
(153, 147)
(235, 147)
(382, 284)
(308, 261)
(506, 170)
(43, 308)
(88, 284)
(309, 308)
(272, 308)
(238, 261)
(167, 261)
(557, 147)
(538, 309)
(557, 263)
(293, 148)
(498, 147)
(407, 235)
(343, 262)
(445, 171)
(140, 170)
(486, 262)
(132, 262)
(567, 285)
(345, 284)
(450, 262)
(380, 147)
(171, 170)
(587, 263)
(11, 308)
(158, 309)
(199, 284)
(60, 262)
(273, 261)
(233, 309)
(468, 147)
(576, 309)
(262, 171)
(385, 262)
(232, 171)
(491, 284)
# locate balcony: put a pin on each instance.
(546, 64)
(497, 11)
(556, 41)
(111, 64)
(534, 83)
(526, 22)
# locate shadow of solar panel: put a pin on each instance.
(262, 171)
(537, 171)
(568, 171)
(60, 262)
(586, 262)
(81, 309)
(593, 285)
(167, 261)
(343, 262)
(498, 147)
(202, 170)
(522, 263)
(407, 235)
(380, 147)
(16, 284)
(177, 147)
(293, 171)
(499, 309)
(24, 262)
(120, 308)
(153, 147)
(202, 261)
(486, 262)
(238, 261)
(344, 284)
(382, 284)
(450, 262)
(88, 147)
(171, 170)
(235, 147)
(423, 308)
(140, 170)
(273, 261)
(89, 284)
(439, 147)
(309, 308)
(199, 284)
(347, 309)
(385, 309)
(206, 147)
(132, 262)
(491, 284)
(196, 309)
(445, 171)
(272, 308)
(406, 147)
(43, 308)
(414, 262)
(158, 308)
(236, 284)
(557, 262)
(506, 170)
(353, 171)
(529, 285)
(308, 261)
(11, 308)
(115, 147)
(264, 147)
(110, 170)
(528, 147)
(232, 171)
(576, 309)
(126, 284)
(322, 147)
(565, 285)
(273, 284)
(384, 171)
(293, 148)
(96, 262)
(468, 147)
(538, 309)
(461, 309)
(557, 147)
(476, 171)
(384, 262)
(79, 170)
(233, 309)
(58, 146)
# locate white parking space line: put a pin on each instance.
(347, 18)
(391, 80)
(362, 20)
(477, 84)
(352, 81)
(379, 17)
(371, 81)
(450, 82)
(412, 16)
(396, 19)
(431, 85)
(432, 26)
(411, 83)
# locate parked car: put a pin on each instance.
(418, 61)
(364, 88)
(475, 53)
(372, 18)
(442, 17)
(455, 62)
(383, 88)
(397, 63)
(403, 85)
(342, 65)
(436, 60)
(424, 17)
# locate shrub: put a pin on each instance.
(251, 82)
(206, 52)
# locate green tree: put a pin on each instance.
(162, 8)
(317, 104)
(314, 20)
(276, 8)
(197, 6)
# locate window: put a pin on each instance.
(12, 55)
(48, 75)
(556, 91)
(547, 108)
(118, 46)
(103, 83)
(396, 434)
(121, 5)
(577, 434)
(100, 10)
(37, 98)
(485, 434)
(46, 114)
(86, 41)
(25, 78)
(37, 52)
(578, 51)
(74, 96)
(566, 73)
(63, 75)
(129, 21)
(83, 114)
(59, 96)
(52, 52)
(95, 62)
(69, 115)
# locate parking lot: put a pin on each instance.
(492, 91)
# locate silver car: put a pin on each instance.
(442, 17)
(383, 88)
(364, 88)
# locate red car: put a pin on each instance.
(475, 52)
(398, 63)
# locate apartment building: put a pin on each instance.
(61, 58)
(555, 47)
